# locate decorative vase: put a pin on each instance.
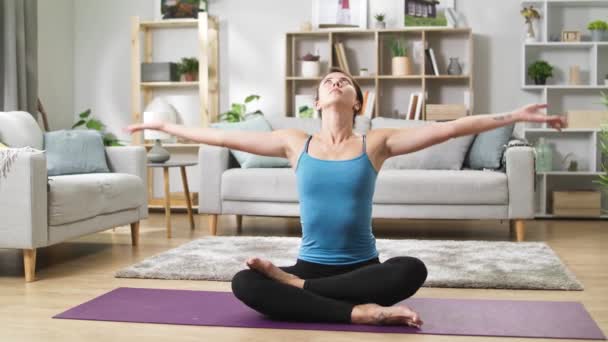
(531, 33)
(158, 154)
(454, 68)
(363, 72)
(401, 66)
(380, 24)
(310, 68)
(597, 35)
(575, 75)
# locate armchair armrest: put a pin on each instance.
(131, 160)
(212, 161)
(521, 179)
(23, 203)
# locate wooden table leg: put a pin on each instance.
(167, 202)
(187, 193)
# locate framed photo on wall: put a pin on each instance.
(336, 14)
(424, 13)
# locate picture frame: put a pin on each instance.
(429, 13)
(339, 14)
(571, 36)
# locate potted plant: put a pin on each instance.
(310, 65)
(401, 64)
(598, 29)
(238, 111)
(531, 15)
(380, 23)
(188, 69)
(539, 71)
(88, 121)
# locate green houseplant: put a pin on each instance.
(401, 64)
(539, 71)
(88, 121)
(598, 29)
(188, 69)
(380, 23)
(238, 111)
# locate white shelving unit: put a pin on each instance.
(581, 145)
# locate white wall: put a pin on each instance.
(56, 61)
(251, 53)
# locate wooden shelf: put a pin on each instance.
(391, 77)
(447, 77)
(170, 23)
(170, 84)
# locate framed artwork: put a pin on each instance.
(333, 14)
(424, 13)
(571, 36)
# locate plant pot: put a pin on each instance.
(540, 81)
(401, 66)
(310, 68)
(380, 25)
(190, 77)
(597, 35)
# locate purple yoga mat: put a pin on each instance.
(441, 316)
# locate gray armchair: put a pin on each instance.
(38, 211)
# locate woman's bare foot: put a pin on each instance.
(271, 271)
(385, 315)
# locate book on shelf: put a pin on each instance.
(341, 55)
(368, 110)
(414, 108)
(431, 63)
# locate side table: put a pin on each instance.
(182, 167)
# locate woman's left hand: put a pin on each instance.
(531, 113)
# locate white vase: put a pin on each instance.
(401, 66)
(311, 68)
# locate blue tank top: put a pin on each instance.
(336, 208)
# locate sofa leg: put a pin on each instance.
(135, 233)
(213, 224)
(239, 223)
(518, 227)
(29, 264)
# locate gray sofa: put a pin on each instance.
(401, 193)
(38, 211)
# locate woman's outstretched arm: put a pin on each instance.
(408, 140)
(272, 144)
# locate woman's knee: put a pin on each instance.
(243, 285)
(412, 268)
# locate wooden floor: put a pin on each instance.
(76, 271)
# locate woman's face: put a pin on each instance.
(337, 90)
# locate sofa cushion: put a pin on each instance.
(20, 129)
(78, 197)
(488, 147)
(277, 185)
(441, 187)
(448, 155)
(312, 126)
(74, 152)
(246, 159)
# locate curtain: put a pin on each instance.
(19, 55)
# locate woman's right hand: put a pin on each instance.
(158, 125)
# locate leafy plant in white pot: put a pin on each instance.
(380, 23)
(401, 64)
(310, 65)
(598, 30)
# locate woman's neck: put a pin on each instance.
(336, 127)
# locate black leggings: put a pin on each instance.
(330, 291)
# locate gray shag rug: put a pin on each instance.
(456, 264)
